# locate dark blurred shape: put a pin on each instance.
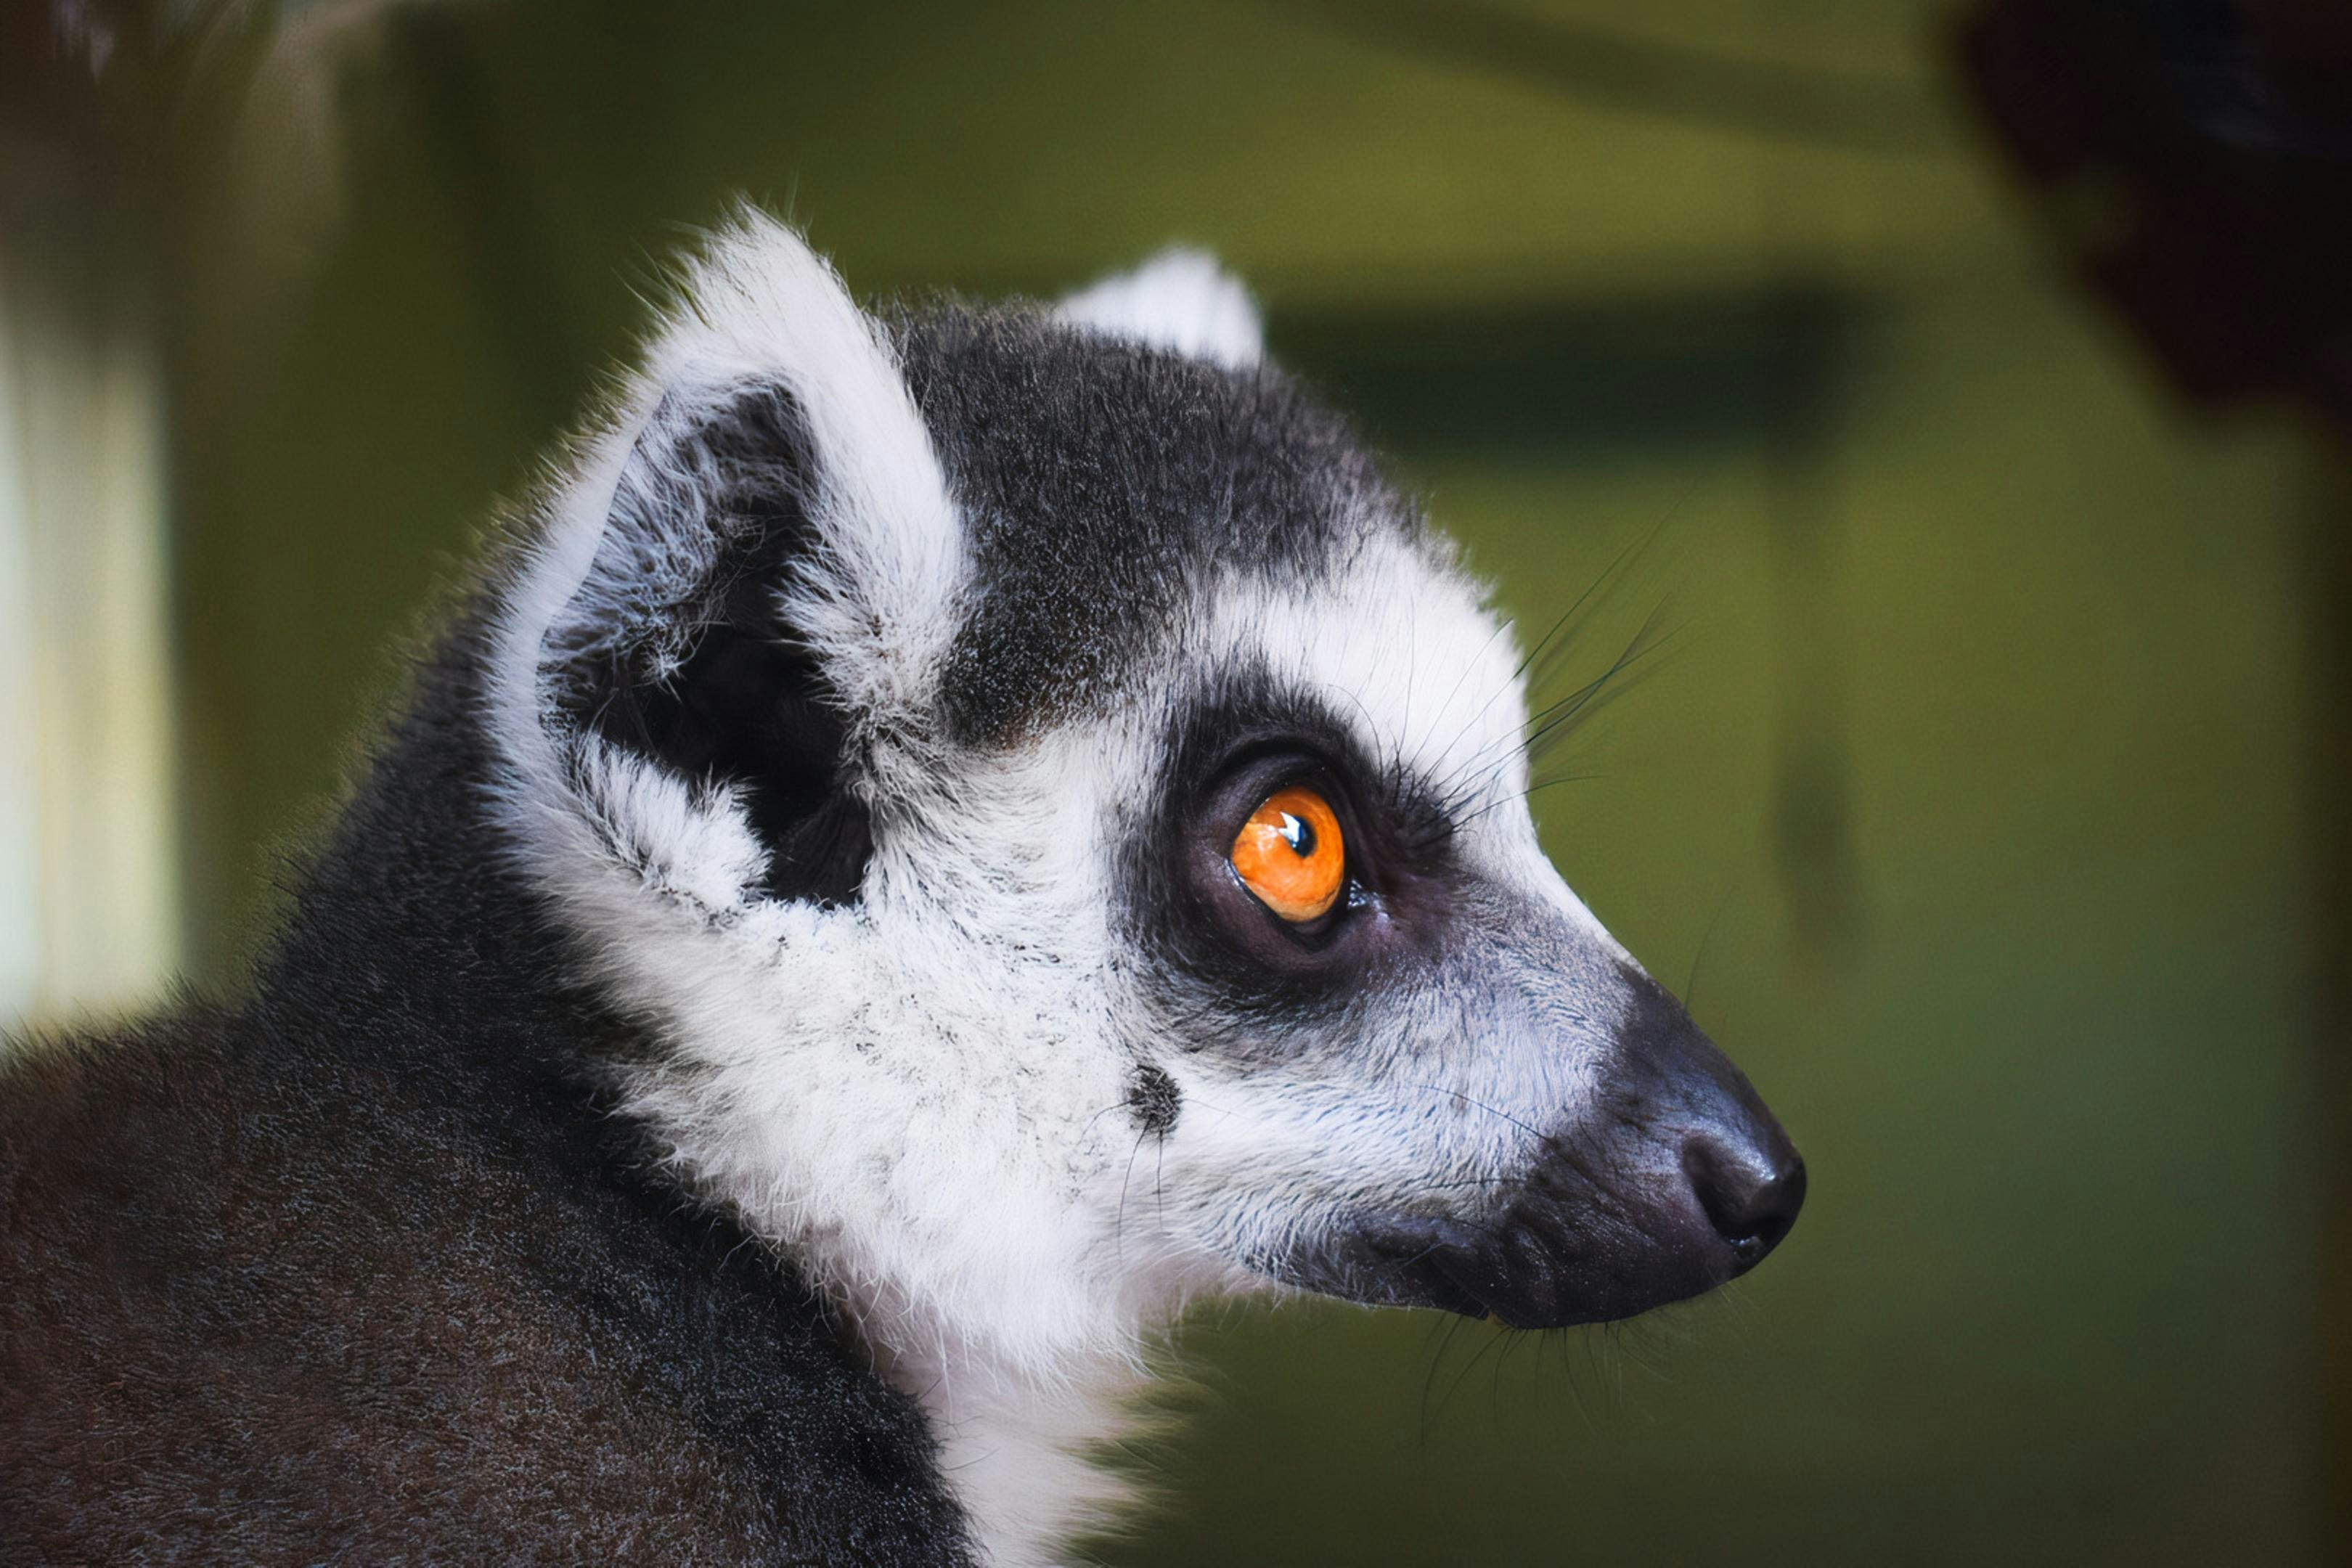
(1673, 370)
(2196, 158)
(50, 54)
(106, 100)
(1671, 80)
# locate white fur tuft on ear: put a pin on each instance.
(761, 305)
(629, 540)
(1181, 300)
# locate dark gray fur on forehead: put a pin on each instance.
(1103, 483)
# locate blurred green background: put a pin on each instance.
(1970, 801)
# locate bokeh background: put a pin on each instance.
(1972, 797)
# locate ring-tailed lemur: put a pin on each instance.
(947, 837)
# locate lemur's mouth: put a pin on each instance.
(1546, 1264)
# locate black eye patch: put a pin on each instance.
(1241, 966)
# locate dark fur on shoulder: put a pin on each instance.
(362, 1271)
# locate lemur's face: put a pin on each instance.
(1061, 814)
(1388, 1054)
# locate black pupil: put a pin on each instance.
(1299, 834)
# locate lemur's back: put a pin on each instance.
(361, 1274)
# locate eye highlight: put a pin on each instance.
(1291, 855)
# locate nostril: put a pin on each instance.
(1752, 1198)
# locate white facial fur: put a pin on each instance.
(924, 1092)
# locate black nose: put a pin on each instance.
(1751, 1195)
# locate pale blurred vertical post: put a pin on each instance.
(89, 884)
(20, 843)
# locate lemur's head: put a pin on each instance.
(1060, 812)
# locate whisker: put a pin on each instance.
(1502, 626)
(1455, 1388)
(1429, 1382)
(1609, 573)
(1472, 1099)
(1469, 778)
(1119, 1224)
(1690, 985)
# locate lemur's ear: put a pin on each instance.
(1181, 299)
(750, 576)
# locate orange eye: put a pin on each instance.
(1290, 854)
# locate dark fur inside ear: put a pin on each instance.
(693, 663)
(748, 708)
